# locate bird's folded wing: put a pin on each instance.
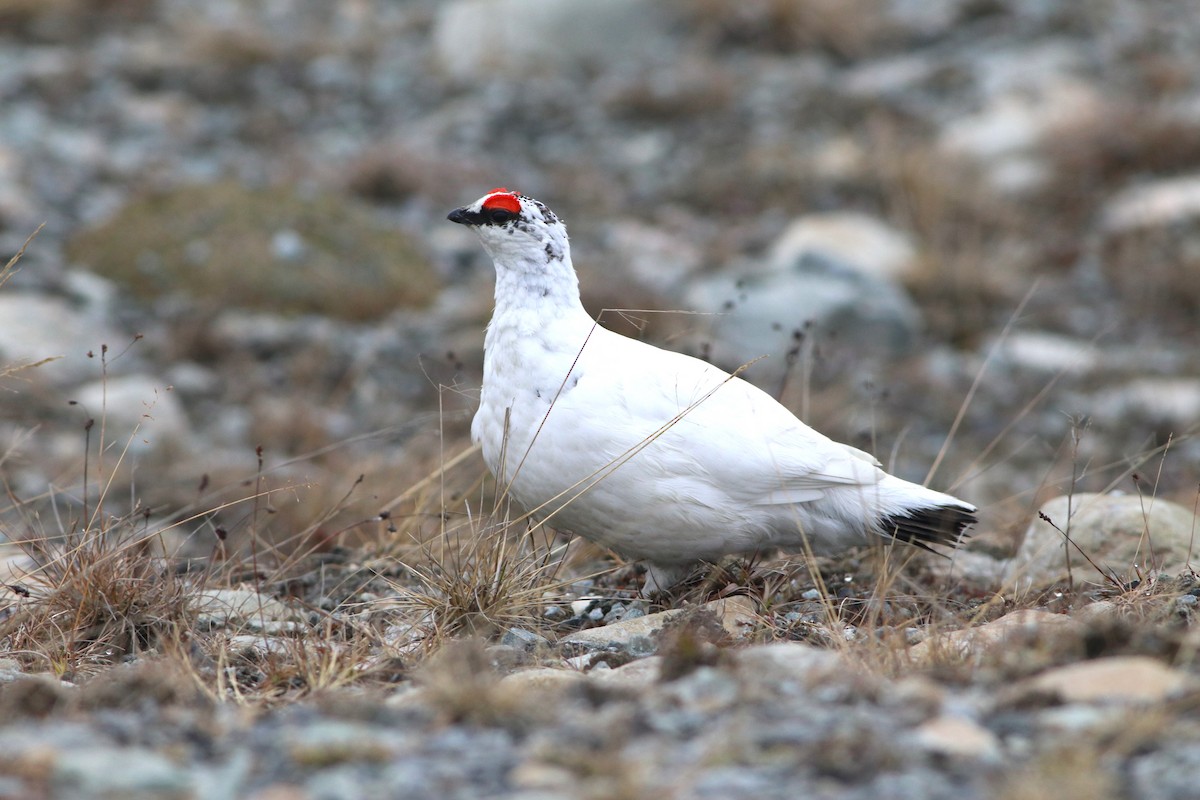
(723, 428)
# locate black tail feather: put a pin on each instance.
(932, 525)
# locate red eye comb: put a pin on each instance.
(502, 199)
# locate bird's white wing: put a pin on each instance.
(724, 428)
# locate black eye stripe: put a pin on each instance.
(488, 216)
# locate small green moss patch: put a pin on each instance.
(273, 249)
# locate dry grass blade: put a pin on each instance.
(95, 597)
(480, 577)
(6, 272)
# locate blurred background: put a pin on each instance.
(934, 217)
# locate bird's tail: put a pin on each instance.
(925, 517)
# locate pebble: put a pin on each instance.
(958, 737)
(1118, 679)
(638, 635)
(523, 639)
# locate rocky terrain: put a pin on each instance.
(247, 551)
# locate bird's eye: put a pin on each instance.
(500, 215)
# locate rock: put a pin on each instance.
(536, 777)
(651, 257)
(1101, 611)
(1173, 401)
(636, 674)
(542, 681)
(1076, 719)
(259, 646)
(138, 408)
(738, 615)
(218, 607)
(1168, 773)
(970, 568)
(37, 328)
(782, 661)
(1123, 534)
(1050, 353)
(867, 243)
(1120, 679)
(117, 772)
(16, 566)
(639, 636)
(473, 39)
(10, 670)
(322, 743)
(815, 278)
(958, 737)
(523, 639)
(1158, 204)
(1004, 134)
(971, 644)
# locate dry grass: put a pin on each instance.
(444, 561)
(845, 29)
(69, 19)
(94, 597)
(480, 578)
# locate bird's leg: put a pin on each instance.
(661, 577)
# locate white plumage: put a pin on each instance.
(658, 455)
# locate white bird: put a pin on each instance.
(655, 454)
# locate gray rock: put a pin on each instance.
(1048, 353)
(10, 670)
(862, 242)
(37, 327)
(248, 645)
(1162, 400)
(783, 661)
(1168, 773)
(523, 639)
(218, 607)
(638, 635)
(1030, 94)
(9, 786)
(139, 408)
(1158, 204)
(112, 772)
(476, 38)
(971, 644)
(1126, 535)
(818, 277)
(651, 257)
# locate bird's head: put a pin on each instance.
(518, 232)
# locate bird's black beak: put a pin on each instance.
(460, 216)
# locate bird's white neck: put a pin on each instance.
(536, 282)
(548, 292)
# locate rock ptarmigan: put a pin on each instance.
(655, 454)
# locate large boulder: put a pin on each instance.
(1126, 535)
(830, 278)
(40, 327)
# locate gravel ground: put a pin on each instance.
(945, 216)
